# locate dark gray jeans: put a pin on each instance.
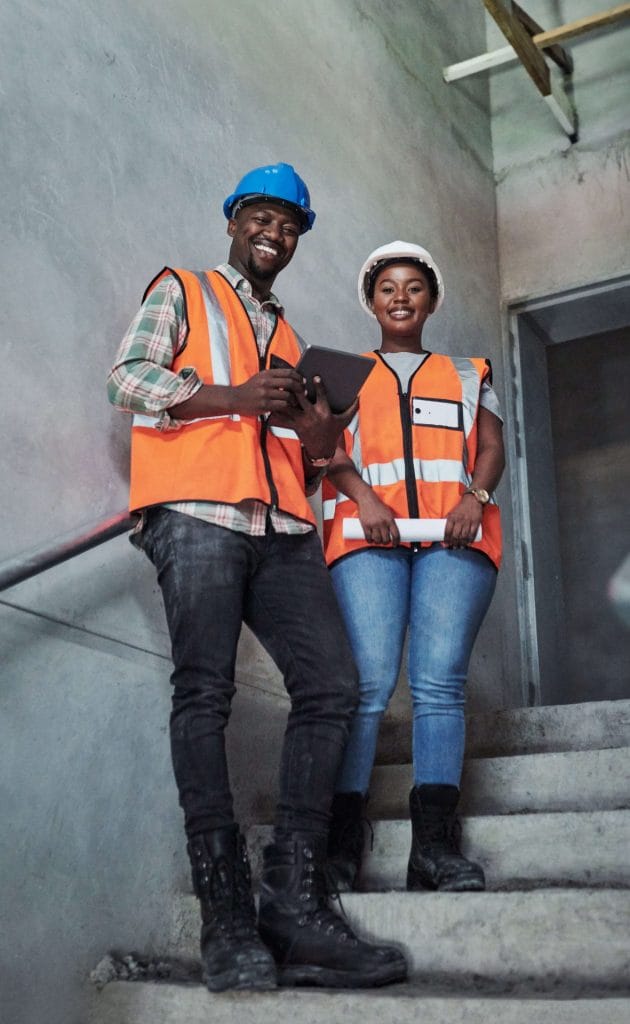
(213, 580)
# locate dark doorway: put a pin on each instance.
(570, 450)
(589, 393)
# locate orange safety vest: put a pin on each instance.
(416, 449)
(220, 458)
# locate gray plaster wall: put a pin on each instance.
(124, 126)
(563, 210)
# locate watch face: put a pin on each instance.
(482, 495)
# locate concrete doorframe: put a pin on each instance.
(532, 324)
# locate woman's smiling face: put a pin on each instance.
(402, 300)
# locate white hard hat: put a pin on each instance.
(392, 251)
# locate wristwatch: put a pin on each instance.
(482, 496)
(318, 463)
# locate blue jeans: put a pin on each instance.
(441, 596)
(213, 580)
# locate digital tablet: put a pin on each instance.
(343, 374)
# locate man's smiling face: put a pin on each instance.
(264, 238)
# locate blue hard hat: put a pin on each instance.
(278, 182)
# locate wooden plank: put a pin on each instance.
(529, 54)
(563, 59)
(506, 54)
(582, 25)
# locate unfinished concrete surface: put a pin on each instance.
(563, 210)
(525, 731)
(567, 781)
(136, 1004)
(559, 930)
(124, 129)
(560, 942)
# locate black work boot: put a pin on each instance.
(435, 861)
(231, 951)
(311, 944)
(345, 841)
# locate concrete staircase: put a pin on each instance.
(546, 803)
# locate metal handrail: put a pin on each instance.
(21, 568)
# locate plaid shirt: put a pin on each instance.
(141, 381)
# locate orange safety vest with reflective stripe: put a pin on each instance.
(220, 458)
(416, 449)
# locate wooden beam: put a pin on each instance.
(582, 25)
(563, 59)
(535, 65)
(529, 54)
(507, 54)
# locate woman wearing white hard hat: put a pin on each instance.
(426, 444)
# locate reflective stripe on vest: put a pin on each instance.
(283, 432)
(217, 329)
(219, 351)
(469, 378)
(434, 471)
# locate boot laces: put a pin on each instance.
(230, 896)
(318, 886)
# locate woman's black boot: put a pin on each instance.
(435, 861)
(232, 953)
(345, 841)
(311, 944)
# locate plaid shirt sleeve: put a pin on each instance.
(141, 379)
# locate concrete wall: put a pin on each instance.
(563, 210)
(124, 128)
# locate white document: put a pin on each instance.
(409, 529)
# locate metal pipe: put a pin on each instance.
(21, 568)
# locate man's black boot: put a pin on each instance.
(231, 951)
(345, 841)
(435, 861)
(311, 944)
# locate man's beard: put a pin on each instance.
(261, 273)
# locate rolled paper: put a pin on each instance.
(409, 529)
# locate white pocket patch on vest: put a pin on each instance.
(434, 412)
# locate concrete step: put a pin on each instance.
(570, 942)
(138, 1003)
(568, 781)
(597, 725)
(522, 851)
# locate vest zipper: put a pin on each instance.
(410, 477)
(273, 491)
(407, 433)
(264, 430)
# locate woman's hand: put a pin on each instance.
(462, 522)
(377, 520)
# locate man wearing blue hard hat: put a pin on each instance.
(225, 448)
